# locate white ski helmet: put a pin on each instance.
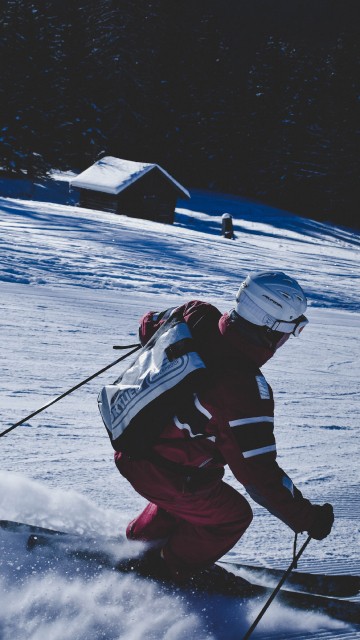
(274, 300)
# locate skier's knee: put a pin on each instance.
(247, 515)
(243, 521)
(250, 515)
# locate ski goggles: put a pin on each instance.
(301, 323)
(295, 328)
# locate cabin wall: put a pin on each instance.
(151, 197)
(98, 200)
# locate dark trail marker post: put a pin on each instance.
(227, 229)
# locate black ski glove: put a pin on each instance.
(323, 521)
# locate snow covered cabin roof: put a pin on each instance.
(113, 175)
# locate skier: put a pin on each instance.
(192, 514)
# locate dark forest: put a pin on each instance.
(257, 98)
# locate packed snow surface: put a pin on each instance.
(74, 282)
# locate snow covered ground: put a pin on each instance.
(73, 283)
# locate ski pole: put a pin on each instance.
(77, 386)
(276, 590)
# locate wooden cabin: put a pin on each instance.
(135, 189)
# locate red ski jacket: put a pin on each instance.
(231, 422)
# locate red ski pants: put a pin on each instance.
(200, 523)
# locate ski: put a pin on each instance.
(339, 585)
(101, 550)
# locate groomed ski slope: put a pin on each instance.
(74, 282)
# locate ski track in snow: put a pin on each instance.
(74, 282)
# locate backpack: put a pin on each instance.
(137, 406)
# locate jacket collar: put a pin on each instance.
(239, 343)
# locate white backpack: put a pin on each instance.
(137, 406)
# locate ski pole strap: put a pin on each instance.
(126, 346)
(66, 393)
(276, 590)
(180, 348)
